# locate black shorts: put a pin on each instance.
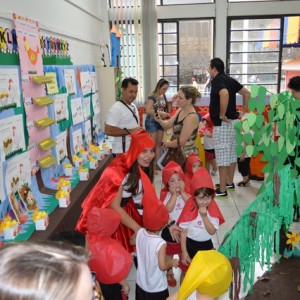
(194, 246)
(140, 294)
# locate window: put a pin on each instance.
(185, 49)
(177, 2)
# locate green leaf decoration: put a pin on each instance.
(274, 149)
(281, 141)
(273, 101)
(251, 118)
(297, 161)
(281, 127)
(271, 114)
(261, 189)
(248, 138)
(249, 150)
(266, 139)
(252, 104)
(239, 150)
(254, 90)
(294, 173)
(281, 110)
(261, 106)
(267, 154)
(259, 120)
(245, 126)
(291, 136)
(238, 126)
(255, 152)
(295, 105)
(256, 138)
(289, 147)
(239, 138)
(270, 177)
(262, 91)
(268, 167)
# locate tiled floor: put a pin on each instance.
(231, 207)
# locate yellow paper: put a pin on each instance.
(52, 87)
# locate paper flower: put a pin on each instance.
(38, 215)
(9, 224)
(76, 158)
(67, 166)
(91, 158)
(61, 194)
(83, 170)
(63, 182)
(293, 238)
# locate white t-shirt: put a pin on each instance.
(148, 276)
(208, 143)
(120, 116)
(197, 230)
(175, 213)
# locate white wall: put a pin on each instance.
(82, 22)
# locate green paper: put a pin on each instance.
(268, 167)
(249, 150)
(274, 149)
(239, 150)
(248, 138)
(239, 138)
(281, 141)
(261, 189)
(289, 147)
(271, 114)
(270, 177)
(266, 139)
(281, 110)
(256, 138)
(273, 101)
(261, 106)
(252, 104)
(297, 161)
(238, 125)
(254, 90)
(245, 127)
(251, 118)
(259, 120)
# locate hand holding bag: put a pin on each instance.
(175, 154)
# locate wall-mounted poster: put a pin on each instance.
(70, 81)
(77, 111)
(85, 83)
(27, 197)
(10, 91)
(86, 106)
(88, 131)
(96, 103)
(17, 172)
(11, 135)
(61, 146)
(77, 140)
(61, 107)
(94, 84)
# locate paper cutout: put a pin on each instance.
(47, 144)
(61, 146)
(87, 132)
(11, 135)
(94, 84)
(61, 111)
(43, 101)
(70, 81)
(52, 87)
(77, 112)
(10, 92)
(47, 161)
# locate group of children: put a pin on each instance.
(193, 219)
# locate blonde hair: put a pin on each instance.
(40, 270)
(190, 92)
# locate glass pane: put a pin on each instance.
(264, 35)
(170, 27)
(170, 38)
(170, 60)
(172, 80)
(172, 90)
(160, 49)
(260, 24)
(170, 49)
(159, 27)
(160, 60)
(160, 71)
(159, 39)
(254, 57)
(254, 46)
(170, 70)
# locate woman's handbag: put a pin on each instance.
(175, 154)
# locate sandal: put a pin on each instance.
(171, 279)
(243, 183)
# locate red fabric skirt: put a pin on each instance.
(124, 233)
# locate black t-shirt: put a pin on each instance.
(222, 81)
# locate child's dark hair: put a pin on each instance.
(207, 192)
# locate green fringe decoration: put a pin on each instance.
(255, 235)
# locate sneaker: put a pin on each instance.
(221, 194)
(228, 186)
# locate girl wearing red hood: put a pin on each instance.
(199, 219)
(193, 164)
(125, 178)
(174, 197)
(206, 131)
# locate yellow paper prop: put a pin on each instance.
(210, 273)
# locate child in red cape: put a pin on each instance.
(125, 177)
(193, 164)
(109, 259)
(174, 197)
(199, 219)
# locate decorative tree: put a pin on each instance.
(256, 233)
